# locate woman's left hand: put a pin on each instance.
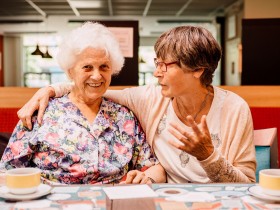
(137, 177)
(197, 143)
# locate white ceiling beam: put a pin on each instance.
(215, 11)
(183, 8)
(36, 8)
(110, 8)
(147, 8)
(76, 12)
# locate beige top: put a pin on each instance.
(185, 167)
(233, 161)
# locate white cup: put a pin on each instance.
(23, 180)
(269, 180)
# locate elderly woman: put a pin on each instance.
(85, 138)
(200, 133)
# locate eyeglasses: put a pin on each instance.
(162, 65)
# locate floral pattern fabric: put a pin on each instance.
(71, 150)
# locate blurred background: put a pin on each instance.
(31, 30)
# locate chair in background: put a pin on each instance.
(266, 144)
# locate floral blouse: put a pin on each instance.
(71, 150)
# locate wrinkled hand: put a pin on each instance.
(137, 177)
(39, 101)
(197, 143)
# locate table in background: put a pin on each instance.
(227, 196)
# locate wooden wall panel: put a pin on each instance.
(256, 96)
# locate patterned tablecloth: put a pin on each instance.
(177, 196)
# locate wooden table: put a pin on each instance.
(82, 197)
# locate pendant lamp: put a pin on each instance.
(46, 54)
(141, 60)
(37, 51)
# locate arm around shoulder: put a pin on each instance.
(39, 101)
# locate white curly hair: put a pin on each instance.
(93, 35)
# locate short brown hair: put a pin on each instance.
(194, 47)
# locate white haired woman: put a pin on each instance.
(86, 138)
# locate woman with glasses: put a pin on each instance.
(200, 133)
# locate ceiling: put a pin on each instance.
(59, 16)
(144, 8)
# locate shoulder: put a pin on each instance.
(231, 99)
(59, 103)
(114, 109)
(145, 90)
(139, 97)
(120, 115)
(152, 89)
(234, 108)
(151, 94)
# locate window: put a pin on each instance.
(38, 71)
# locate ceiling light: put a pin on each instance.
(37, 51)
(46, 54)
(86, 4)
(141, 60)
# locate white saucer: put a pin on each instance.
(257, 192)
(42, 190)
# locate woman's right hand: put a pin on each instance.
(39, 101)
(197, 143)
(137, 177)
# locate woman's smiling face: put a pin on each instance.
(91, 74)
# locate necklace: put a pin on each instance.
(203, 104)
